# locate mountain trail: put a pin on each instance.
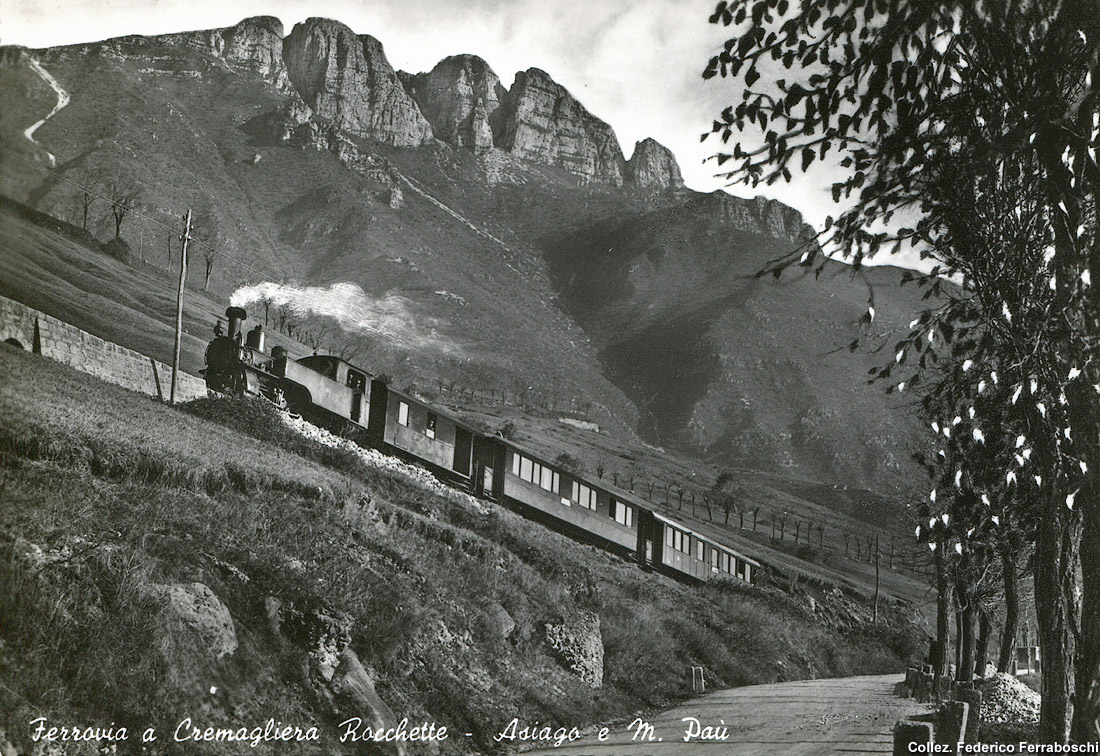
(418, 190)
(62, 101)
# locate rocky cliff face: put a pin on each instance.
(346, 80)
(255, 45)
(461, 98)
(543, 122)
(653, 168)
(761, 215)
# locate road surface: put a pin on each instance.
(807, 718)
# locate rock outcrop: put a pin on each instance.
(653, 168)
(543, 122)
(254, 45)
(332, 666)
(577, 642)
(461, 98)
(200, 609)
(346, 80)
(761, 215)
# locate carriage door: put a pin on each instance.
(357, 382)
(647, 537)
(464, 447)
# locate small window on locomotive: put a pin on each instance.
(403, 413)
(429, 429)
(356, 380)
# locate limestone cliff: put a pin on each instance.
(461, 98)
(653, 168)
(347, 81)
(255, 45)
(543, 122)
(761, 215)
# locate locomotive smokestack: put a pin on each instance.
(235, 315)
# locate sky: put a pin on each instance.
(634, 63)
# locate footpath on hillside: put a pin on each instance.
(806, 718)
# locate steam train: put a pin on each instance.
(350, 401)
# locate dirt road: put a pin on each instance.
(809, 718)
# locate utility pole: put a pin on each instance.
(876, 578)
(185, 237)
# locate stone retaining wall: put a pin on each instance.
(35, 331)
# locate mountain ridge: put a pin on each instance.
(523, 248)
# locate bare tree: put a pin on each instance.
(313, 334)
(266, 302)
(347, 348)
(123, 196)
(284, 315)
(86, 196)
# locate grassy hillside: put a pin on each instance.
(112, 499)
(511, 275)
(55, 267)
(189, 133)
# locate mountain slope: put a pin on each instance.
(494, 236)
(747, 371)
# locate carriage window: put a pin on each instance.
(515, 464)
(547, 479)
(403, 413)
(714, 560)
(583, 495)
(699, 550)
(429, 429)
(356, 381)
(526, 468)
(624, 514)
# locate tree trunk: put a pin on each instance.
(1012, 611)
(964, 618)
(943, 598)
(965, 671)
(959, 637)
(1055, 544)
(981, 654)
(1086, 715)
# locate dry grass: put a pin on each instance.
(128, 487)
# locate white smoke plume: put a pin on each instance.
(389, 316)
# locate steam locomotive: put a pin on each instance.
(350, 401)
